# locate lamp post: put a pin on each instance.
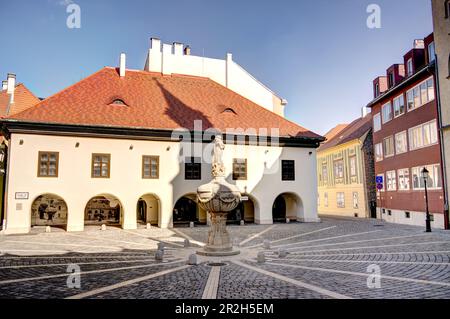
(425, 175)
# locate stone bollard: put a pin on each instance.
(242, 222)
(159, 255)
(266, 244)
(192, 259)
(261, 258)
(48, 229)
(103, 227)
(148, 226)
(288, 220)
(282, 253)
(191, 224)
(161, 246)
(186, 243)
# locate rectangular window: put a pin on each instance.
(401, 144)
(340, 200)
(288, 170)
(353, 166)
(239, 169)
(193, 168)
(399, 106)
(391, 80)
(409, 67)
(388, 146)
(339, 169)
(423, 135)
(391, 181)
(403, 179)
(324, 173)
(378, 152)
(355, 200)
(325, 199)
(407, 215)
(420, 94)
(387, 112)
(376, 122)
(431, 52)
(101, 164)
(48, 164)
(433, 181)
(150, 167)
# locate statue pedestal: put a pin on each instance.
(219, 243)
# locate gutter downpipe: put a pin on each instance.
(441, 137)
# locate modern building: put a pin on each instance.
(127, 147)
(14, 98)
(407, 140)
(441, 21)
(345, 171)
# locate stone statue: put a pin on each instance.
(218, 168)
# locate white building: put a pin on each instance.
(108, 150)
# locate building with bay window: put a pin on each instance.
(129, 147)
(406, 139)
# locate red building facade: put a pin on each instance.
(406, 139)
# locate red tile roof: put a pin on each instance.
(334, 131)
(155, 101)
(354, 130)
(23, 99)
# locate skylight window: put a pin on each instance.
(118, 102)
(229, 110)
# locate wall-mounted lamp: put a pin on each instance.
(131, 147)
(168, 148)
(21, 142)
(310, 153)
(77, 144)
(267, 151)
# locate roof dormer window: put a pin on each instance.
(229, 110)
(118, 102)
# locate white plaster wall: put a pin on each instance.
(225, 72)
(75, 185)
(416, 218)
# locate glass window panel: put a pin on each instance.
(430, 86)
(424, 93)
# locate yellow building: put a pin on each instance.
(345, 170)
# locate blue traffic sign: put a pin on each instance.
(379, 179)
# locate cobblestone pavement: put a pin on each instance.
(336, 258)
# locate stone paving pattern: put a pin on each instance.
(337, 253)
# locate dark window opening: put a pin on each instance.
(193, 168)
(239, 169)
(288, 170)
(447, 9)
(391, 80)
(389, 212)
(407, 215)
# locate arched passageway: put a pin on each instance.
(148, 209)
(103, 209)
(287, 205)
(49, 210)
(244, 211)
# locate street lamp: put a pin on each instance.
(425, 175)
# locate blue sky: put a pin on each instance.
(319, 54)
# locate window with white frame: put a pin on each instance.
(388, 146)
(409, 67)
(376, 122)
(340, 200)
(403, 179)
(324, 173)
(391, 181)
(399, 105)
(353, 166)
(420, 94)
(339, 169)
(325, 199)
(382, 176)
(431, 52)
(355, 200)
(423, 135)
(387, 112)
(401, 142)
(434, 177)
(378, 152)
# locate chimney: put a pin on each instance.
(177, 48)
(187, 50)
(122, 64)
(155, 44)
(229, 62)
(419, 44)
(11, 82)
(4, 85)
(364, 111)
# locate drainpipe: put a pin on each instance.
(441, 138)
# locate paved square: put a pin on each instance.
(332, 259)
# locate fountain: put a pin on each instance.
(218, 198)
